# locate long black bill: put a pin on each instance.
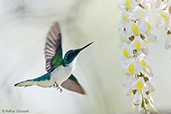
(77, 51)
(80, 49)
(85, 46)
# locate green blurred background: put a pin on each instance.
(23, 28)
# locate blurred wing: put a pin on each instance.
(53, 48)
(73, 85)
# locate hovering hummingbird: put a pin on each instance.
(59, 70)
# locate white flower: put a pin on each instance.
(143, 62)
(157, 3)
(168, 42)
(137, 98)
(127, 4)
(126, 50)
(147, 70)
(132, 29)
(138, 13)
(135, 34)
(150, 86)
(164, 14)
(141, 92)
(139, 85)
(145, 26)
(128, 80)
(125, 18)
(164, 18)
(167, 24)
(145, 51)
(132, 67)
(123, 35)
(138, 43)
(151, 37)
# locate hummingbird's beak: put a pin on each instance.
(85, 46)
(77, 51)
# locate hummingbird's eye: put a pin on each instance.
(70, 55)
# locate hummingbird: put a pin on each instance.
(59, 69)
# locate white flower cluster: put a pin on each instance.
(164, 19)
(135, 35)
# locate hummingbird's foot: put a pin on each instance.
(60, 89)
(55, 85)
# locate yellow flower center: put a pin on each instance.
(147, 42)
(128, 3)
(143, 62)
(137, 44)
(124, 73)
(124, 50)
(148, 25)
(134, 28)
(139, 85)
(125, 18)
(163, 15)
(131, 69)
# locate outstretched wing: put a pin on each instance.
(72, 84)
(53, 48)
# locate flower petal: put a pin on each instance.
(160, 22)
(131, 68)
(151, 37)
(139, 85)
(152, 108)
(137, 98)
(143, 63)
(135, 29)
(150, 86)
(147, 69)
(157, 3)
(128, 4)
(168, 43)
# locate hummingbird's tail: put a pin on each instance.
(25, 83)
(43, 81)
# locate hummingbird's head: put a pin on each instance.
(72, 54)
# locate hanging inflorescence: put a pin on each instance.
(135, 36)
(164, 19)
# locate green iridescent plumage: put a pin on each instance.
(42, 78)
(72, 77)
(57, 59)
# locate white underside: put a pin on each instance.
(61, 73)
